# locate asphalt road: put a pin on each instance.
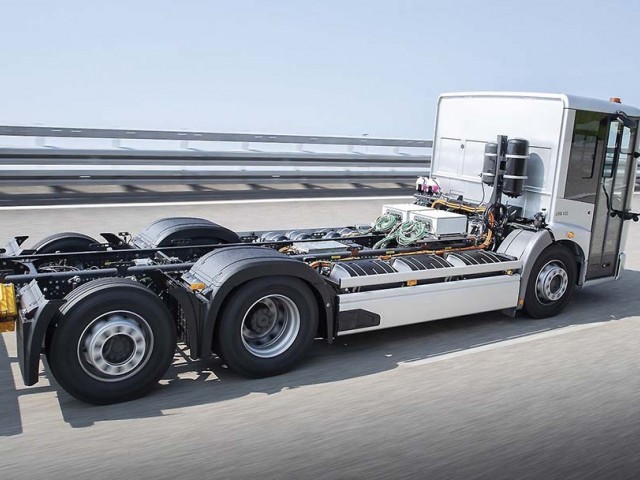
(482, 396)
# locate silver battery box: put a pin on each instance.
(325, 246)
(440, 222)
(403, 210)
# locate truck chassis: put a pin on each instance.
(107, 314)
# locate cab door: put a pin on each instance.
(615, 188)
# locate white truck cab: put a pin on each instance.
(579, 173)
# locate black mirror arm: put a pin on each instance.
(635, 216)
(625, 120)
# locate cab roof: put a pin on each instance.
(569, 101)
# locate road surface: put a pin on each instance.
(484, 396)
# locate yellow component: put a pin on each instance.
(570, 234)
(412, 283)
(509, 272)
(521, 302)
(8, 307)
(197, 286)
(459, 206)
(7, 326)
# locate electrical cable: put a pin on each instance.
(385, 223)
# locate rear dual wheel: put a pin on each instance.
(113, 341)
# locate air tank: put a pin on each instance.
(515, 167)
(489, 166)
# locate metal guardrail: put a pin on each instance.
(18, 131)
(47, 164)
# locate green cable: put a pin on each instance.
(385, 223)
(410, 232)
(404, 234)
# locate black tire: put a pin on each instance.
(234, 347)
(554, 259)
(107, 302)
(65, 242)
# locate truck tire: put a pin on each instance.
(113, 341)
(65, 242)
(267, 326)
(552, 282)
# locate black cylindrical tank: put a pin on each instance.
(272, 237)
(298, 235)
(411, 263)
(516, 167)
(489, 166)
(360, 268)
(347, 232)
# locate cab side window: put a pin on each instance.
(588, 140)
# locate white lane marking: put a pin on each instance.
(529, 333)
(499, 344)
(201, 202)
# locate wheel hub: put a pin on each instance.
(262, 320)
(270, 326)
(552, 282)
(114, 346)
(118, 348)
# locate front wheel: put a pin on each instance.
(113, 341)
(552, 282)
(267, 326)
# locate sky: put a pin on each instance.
(330, 67)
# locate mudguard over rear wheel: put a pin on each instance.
(66, 242)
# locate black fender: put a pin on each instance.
(223, 270)
(66, 242)
(175, 230)
(36, 313)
